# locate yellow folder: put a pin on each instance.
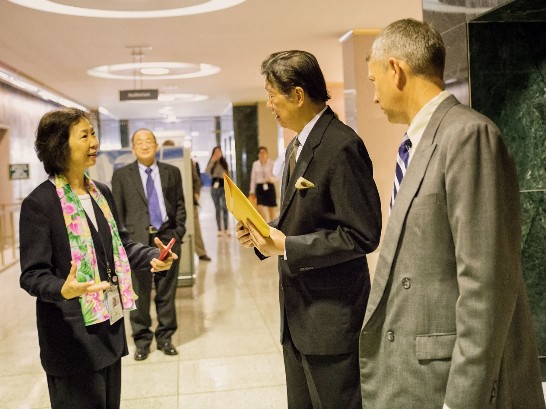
(238, 204)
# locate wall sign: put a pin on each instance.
(19, 171)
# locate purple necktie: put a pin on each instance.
(153, 202)
(401, 166)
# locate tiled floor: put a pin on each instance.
(229, 354)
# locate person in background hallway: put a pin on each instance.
(197, 184)
(150, 201)
(196, 187)
(78, 261)
(448, 322)
(262, 185)
(216, 168)
(330, 219)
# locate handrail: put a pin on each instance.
(9, 213)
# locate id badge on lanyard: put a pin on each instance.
(113, 303)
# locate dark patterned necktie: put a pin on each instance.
(401, 166)
(153, 201)
(292, 158)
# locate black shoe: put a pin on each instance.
(141, 354)
(167, 348)
(204, 258)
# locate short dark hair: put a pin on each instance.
(286, 70)
(262, 148)
(52, 136)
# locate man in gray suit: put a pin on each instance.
(448, 322)
(330, 219)
(150, 203)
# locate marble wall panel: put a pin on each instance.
(508, 84)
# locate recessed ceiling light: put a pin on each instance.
(176, 70)
(172, 97)
(154, 71)
(59, 8)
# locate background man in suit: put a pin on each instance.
(321, 236)
(447, 323)
(150, 202)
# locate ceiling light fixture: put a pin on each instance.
(155, 71)
(59, 8)
(171, 97)
(177, 70)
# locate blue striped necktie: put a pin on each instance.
(153, 202)
(401, 165)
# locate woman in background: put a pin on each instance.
(216, 168)
(77, 261)
(262, 187)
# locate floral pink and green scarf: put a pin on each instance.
(83, 251)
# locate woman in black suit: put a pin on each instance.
(77, 261)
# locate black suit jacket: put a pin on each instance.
(67, 346)
(324, 282)
(133, 206)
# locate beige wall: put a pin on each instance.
(6, 192)
(380, 137)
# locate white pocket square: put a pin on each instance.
(303, 183)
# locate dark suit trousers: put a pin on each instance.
(321, 381)
(96, 390)
(165, 295)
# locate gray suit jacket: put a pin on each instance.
(132, 204)
(448, 318)
(324, 283)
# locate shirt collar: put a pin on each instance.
(421, 120)
(144, 167)
(304, 134)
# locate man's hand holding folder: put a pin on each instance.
(252, 230)
(238, 204)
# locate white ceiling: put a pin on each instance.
(57, 50)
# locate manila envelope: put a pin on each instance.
(238, 204)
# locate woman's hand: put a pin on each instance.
(72, 288)
(165, 264)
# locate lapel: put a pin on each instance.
(306, 155)
(410, 186)
(134, 178)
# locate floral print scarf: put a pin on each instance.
(83, 250)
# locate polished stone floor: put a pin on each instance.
(227, 339)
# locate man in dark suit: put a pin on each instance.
(330, 218)
(150, 202)
(448, 322)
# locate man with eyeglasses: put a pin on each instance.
(150, 202)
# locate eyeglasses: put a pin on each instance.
(147, 142)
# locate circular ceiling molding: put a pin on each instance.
(148, 70)
(151, 9)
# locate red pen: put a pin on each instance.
(166, 250)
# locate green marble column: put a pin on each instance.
(245, 129)
(507, 51)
